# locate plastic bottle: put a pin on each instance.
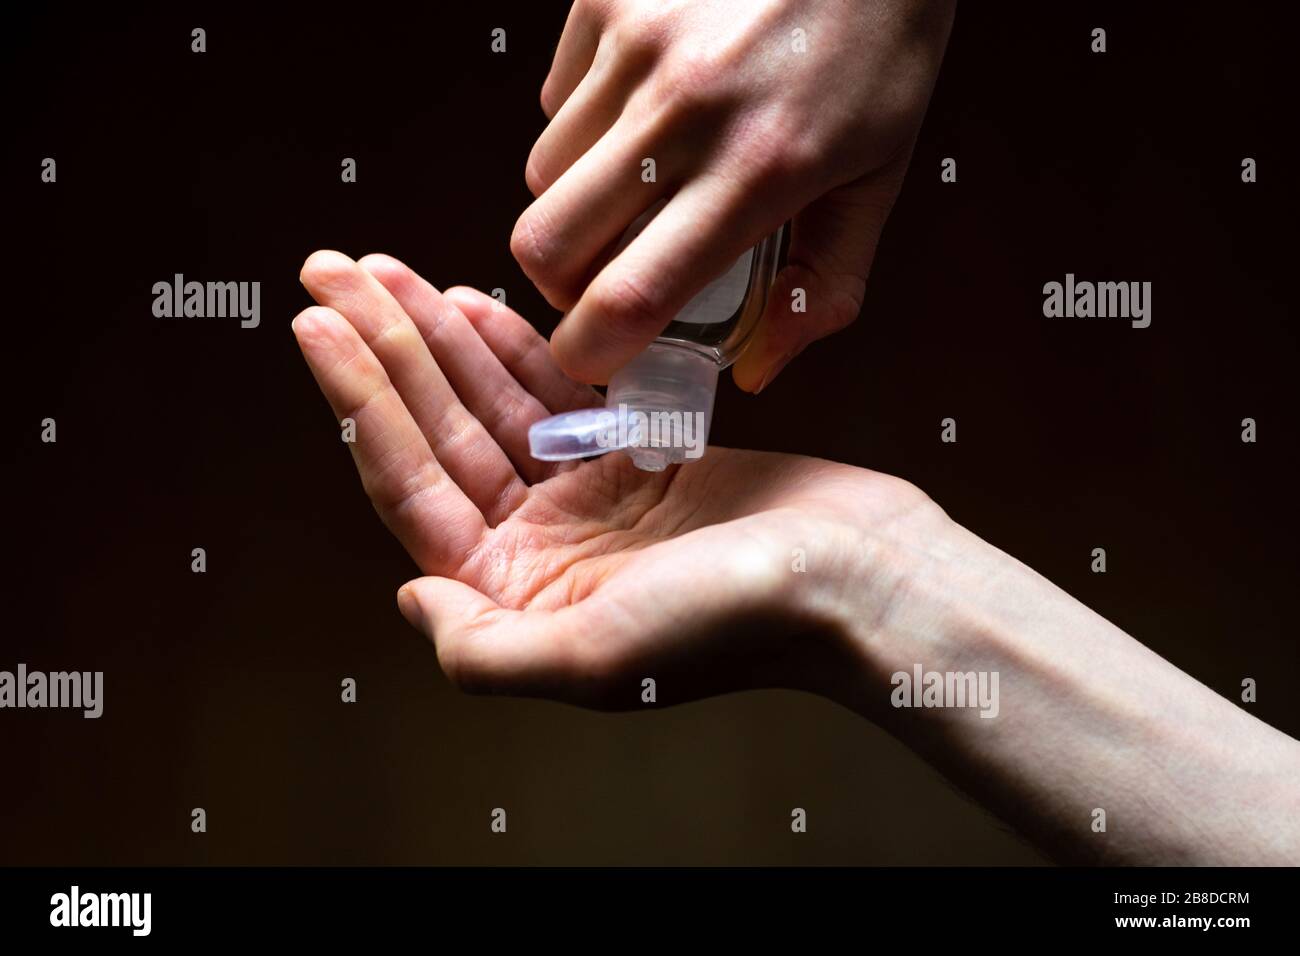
(658, 407)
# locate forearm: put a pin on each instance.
(1087, 718)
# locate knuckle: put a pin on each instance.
(529, 245)
(508, 407)
(640, 29)
(625, 303)
(535, 248)
(392, 495)
(595, 10)
(696, 81)
(696, 68)
(780, 154)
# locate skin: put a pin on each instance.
(750, 124)
(577, 581)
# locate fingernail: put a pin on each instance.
(775, 369)
(410, 607)
(308, 322)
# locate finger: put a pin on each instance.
(484, 648)
(524, 353)
(480, 381)
(458, 439)
(573, 55)
(832, 245)
(431, 516)
(585, 117)
(702, 231)
(560, 237)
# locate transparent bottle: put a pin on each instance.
(658, 407)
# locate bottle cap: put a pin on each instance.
(658, 408)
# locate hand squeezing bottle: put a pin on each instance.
(659, 406)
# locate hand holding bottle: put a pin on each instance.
(741, 114)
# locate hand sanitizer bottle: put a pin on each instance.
(659, 406)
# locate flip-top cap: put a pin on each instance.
(658, 408)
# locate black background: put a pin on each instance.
(222, 689)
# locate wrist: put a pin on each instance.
(884, 588)
(912, 598)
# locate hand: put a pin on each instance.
(755, 112)
(578, 581)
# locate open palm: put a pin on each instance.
(572, 580)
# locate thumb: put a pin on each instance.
(441, 607)
(820, 290)
(484, 648)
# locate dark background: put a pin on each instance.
(222, 689)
